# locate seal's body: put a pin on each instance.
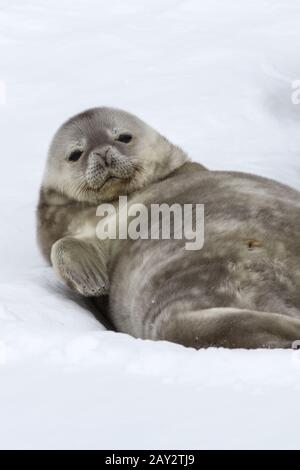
(242, 289)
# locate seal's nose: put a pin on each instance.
(104, 155)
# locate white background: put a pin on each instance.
(216, 78)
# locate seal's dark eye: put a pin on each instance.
(74, 157)
(125, 138)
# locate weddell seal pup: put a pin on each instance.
(241, 290)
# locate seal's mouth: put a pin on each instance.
(107, 184)
(112, 179)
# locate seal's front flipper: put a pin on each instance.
(81, 265)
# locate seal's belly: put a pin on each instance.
(240, 266)
(246, 278)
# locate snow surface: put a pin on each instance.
(216, 78)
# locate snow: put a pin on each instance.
(215, 77)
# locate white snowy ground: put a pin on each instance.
(215, 77)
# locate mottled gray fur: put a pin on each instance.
(241, 290)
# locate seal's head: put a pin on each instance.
(103, 153)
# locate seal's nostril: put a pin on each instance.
(105, 156)
(108, 157)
